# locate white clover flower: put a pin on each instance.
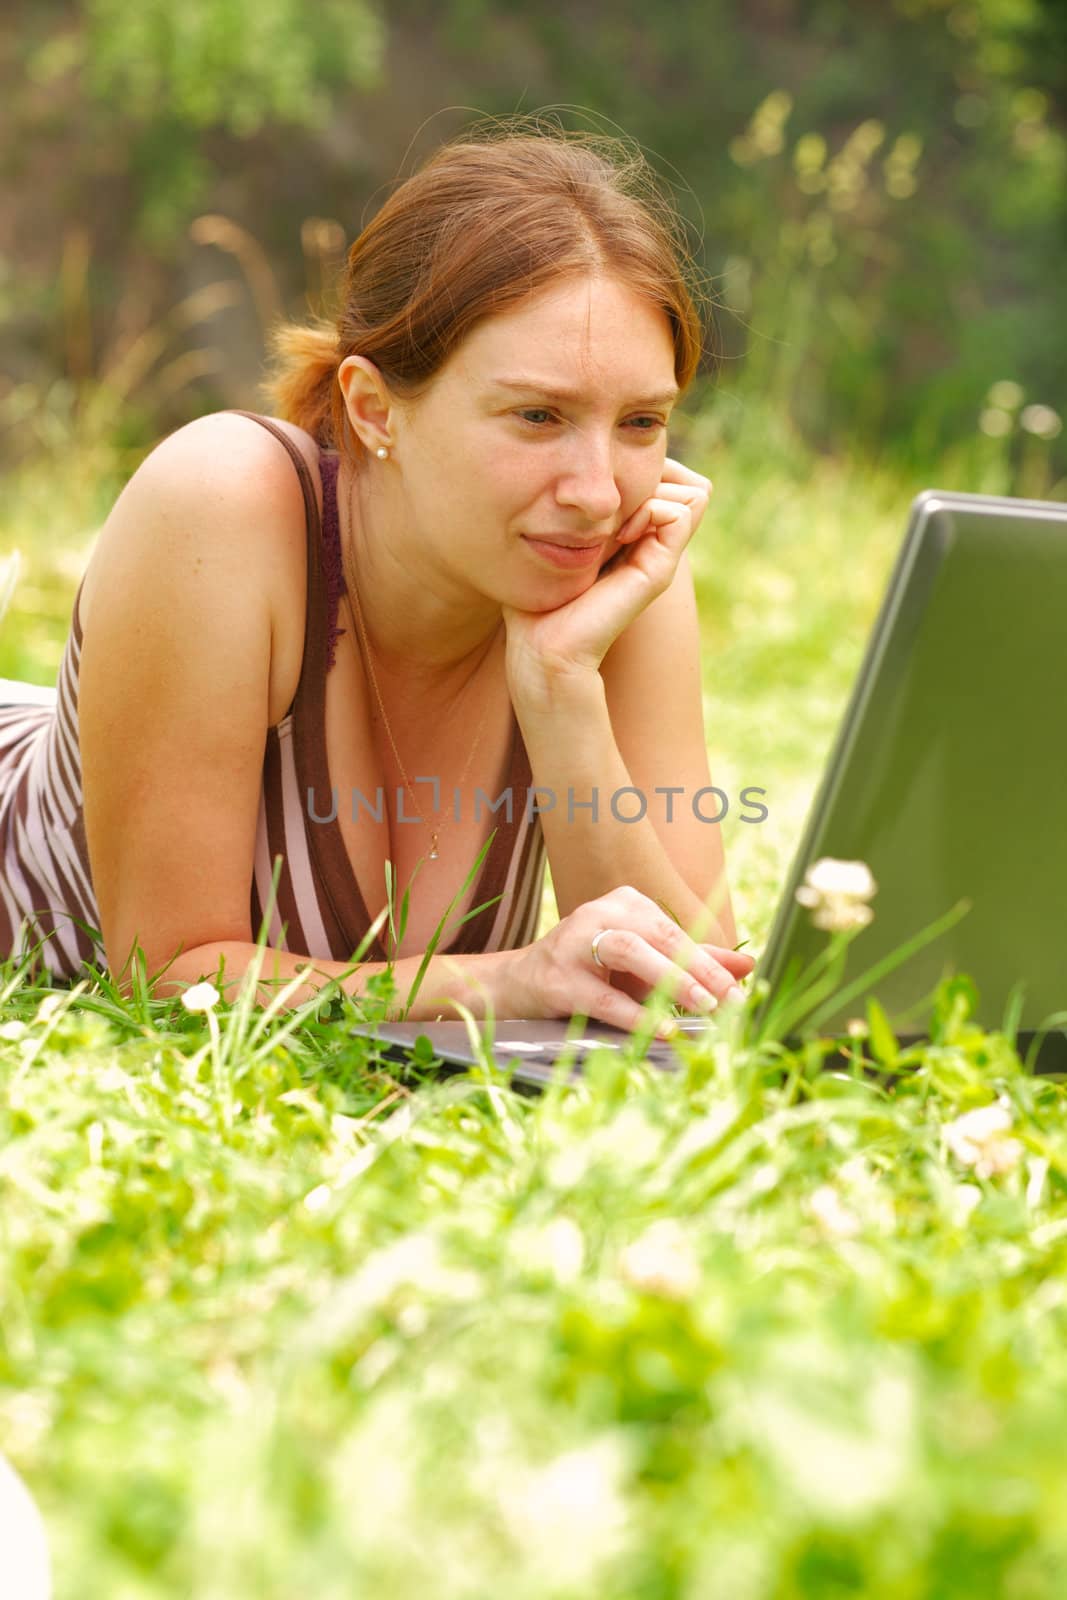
(977, 1139)
(834, 1218)
(200, 997)
(661, 1262)
(994, 423)
(556, 1248)
(1041, 420)
(836, 893)
(1007, 394)
(830, 876)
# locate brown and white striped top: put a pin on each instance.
(46, 885)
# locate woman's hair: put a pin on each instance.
(505, 209)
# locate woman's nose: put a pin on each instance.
(588, 482)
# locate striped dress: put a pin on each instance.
(46, 888)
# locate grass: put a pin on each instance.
(745, 1331)
(276, 1322)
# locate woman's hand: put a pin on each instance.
(575, 637)
(557, 976)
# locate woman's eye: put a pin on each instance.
(532, 414)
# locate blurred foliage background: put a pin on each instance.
(877, 193)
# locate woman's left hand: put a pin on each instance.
(574, 638)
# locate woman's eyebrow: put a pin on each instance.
(552, 391)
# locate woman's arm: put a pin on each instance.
(479, 981)
(617, 669)
(571, 745)
(636, 723)
(173, 701)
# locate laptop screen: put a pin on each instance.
(948, 777)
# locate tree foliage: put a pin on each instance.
(877, 189)
(231, 64)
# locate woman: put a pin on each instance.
(450, 569)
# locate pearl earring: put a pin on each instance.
(382, 453)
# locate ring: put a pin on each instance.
(596, 940)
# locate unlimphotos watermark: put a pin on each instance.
(626, 804)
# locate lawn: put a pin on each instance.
(276, 1323)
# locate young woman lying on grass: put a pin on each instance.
(449, 575)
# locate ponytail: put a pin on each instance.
(300, 388)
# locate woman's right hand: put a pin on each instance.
(556, 976)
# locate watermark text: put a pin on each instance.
(627, 804)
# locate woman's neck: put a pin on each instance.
(418, 626)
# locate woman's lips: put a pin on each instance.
(564, 555)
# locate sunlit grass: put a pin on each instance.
(634, 1337)
(276, 1321)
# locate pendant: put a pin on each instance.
(433, 847)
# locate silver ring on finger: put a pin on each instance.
(596, 941)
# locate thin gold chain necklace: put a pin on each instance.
(353, 590)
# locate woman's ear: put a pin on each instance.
(367, 401)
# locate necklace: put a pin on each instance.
(353, 590)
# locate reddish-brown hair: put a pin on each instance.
(500, 211)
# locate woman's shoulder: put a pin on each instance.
(226, 444)
(236, 453)
(245, 479)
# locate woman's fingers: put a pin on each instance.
(663, 943)
(601, 1003)
(736, 961)
(676, 472)
(693, 979)
(663, 510)
(679, 486)
(712, 965)
(640, 948)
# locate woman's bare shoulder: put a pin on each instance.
(229, 446)
(233, 462)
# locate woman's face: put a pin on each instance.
(548, 420)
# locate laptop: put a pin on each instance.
(948, 778)
(536, 1050)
